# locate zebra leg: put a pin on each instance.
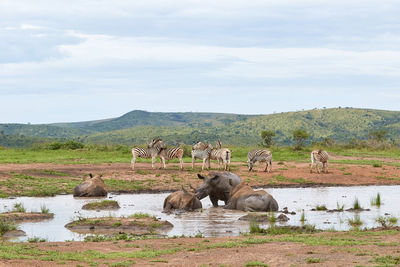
(193, 159)
(204, 163)
(181, 162)
(209, 163)
(133, 163)
(318, 168)
(163, 162)
(153, 159)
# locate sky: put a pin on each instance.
(80, 60)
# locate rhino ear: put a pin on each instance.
(200, 176)
(184, 190)
(214, 179)
(230, 182)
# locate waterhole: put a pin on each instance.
(214, 221)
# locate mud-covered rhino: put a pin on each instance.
(217, 186)
(244, 198)
(182, 200)
(93, 187)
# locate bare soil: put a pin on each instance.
(26, 216)
(286, 174)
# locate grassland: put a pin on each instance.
(357, 248)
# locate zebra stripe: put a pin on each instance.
(164, 153)
(319, 156)
(139, 152)
(201, 151)
(261, 155)
(221, 155)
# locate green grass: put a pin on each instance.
(356, 204)
(101, 204)
(139, 215)
(44, 209)
(386, 221)
(256, 263)
(19, 207)
(355, 222)
(313, 260)
(36, 240)
(321, 207)
(377, 200)
(6, 225)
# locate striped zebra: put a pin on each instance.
(201, 151)
(261, 155)
(167, 153)
(221, 155)
(319, 156)
(150, 152)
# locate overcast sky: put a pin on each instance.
(77, 60)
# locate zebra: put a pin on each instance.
(221, 155)
(167, 153)
(150, 152)
(261, 155)
(319, 156)
(201, 151)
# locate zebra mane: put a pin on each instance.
(218, 145)
(157, 141)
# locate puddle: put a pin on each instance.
(212, 221)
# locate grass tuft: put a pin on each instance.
(19, 207)
(376, 201)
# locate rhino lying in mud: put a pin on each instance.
(93, 187)
(218, 186)
(182, 200)
(244, 198)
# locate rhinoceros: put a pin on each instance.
(93, 187)
(244, 198)
(183, 200)
(218, 186)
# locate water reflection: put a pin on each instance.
(214, 221)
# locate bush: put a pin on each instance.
(67, 145)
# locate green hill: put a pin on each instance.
(138, 127)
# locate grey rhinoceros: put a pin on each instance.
(93, 187)
(244, 198)
(182, 200)
(218, 186)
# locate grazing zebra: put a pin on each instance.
(150, 152)
(261, 155)
(319, 156)
(221, 155)
(201, 151)
(167, 153)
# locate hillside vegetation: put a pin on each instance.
(138, 127)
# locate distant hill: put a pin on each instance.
(138, 127)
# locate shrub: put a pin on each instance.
(386, 221)
(6, 226)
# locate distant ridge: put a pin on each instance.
(137, 127)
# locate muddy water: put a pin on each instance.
(213, 221)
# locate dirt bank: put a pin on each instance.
(324, 249)
(285, 174)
